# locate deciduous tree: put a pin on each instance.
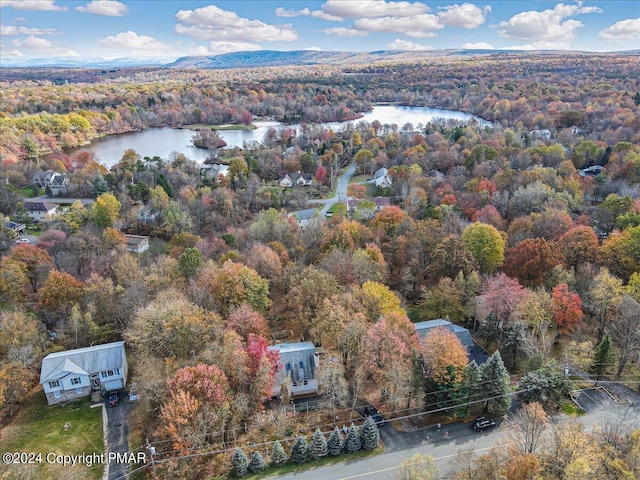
(418, 467)
(567, 308)
(59, 293)
(444, 356)
(172, 326)
(625, 331)
(526, 429)
(486, 244)
(530, 261)
(105, 210)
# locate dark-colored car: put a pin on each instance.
(483, 423)
(371, 411)
(114, 400)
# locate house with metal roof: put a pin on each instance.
(74, 374)
(299, 362)
(463, 334)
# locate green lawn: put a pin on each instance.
(28, 192)
(39, 428)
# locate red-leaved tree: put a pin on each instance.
(567, 308)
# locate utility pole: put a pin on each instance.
(152, 452)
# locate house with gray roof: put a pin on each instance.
(299, 362)
(305, 217)
(463, 334)
(38, 211)
(73, 374)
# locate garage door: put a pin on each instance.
(113, 384)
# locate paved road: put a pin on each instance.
(400, 446)
(341, 191)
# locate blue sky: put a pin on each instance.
(173, 28)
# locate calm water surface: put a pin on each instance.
(163, 141)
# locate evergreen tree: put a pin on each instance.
(278, 455)
(300, 451)
(256, 464)
(494, 378)
(239, 462)
(352, 443)
(514, 341)
(100, 186)
(319, 446)
(472, 388)
(603, 358)
(370, 437)
(335, 443)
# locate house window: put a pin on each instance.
(56, 394)
(288, 367)
(294, 384)
(75, 381)
(110, 373)
(301, 364)
(79, 391)
(305, 382)
(54, 384)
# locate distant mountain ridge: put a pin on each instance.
(273, 58)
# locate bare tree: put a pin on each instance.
(527, 428)
(625, 331)
(418, 467)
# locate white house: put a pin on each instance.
(58, 183)
(38, 211)
(291, 179)
(137, 243)
(73, 374)
(305, 217)
(215, 171)
(299, 362)
(540, 134)
(381, 178)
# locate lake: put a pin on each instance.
(163, 141)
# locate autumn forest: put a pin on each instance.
(527, 233)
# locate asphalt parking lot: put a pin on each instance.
(593, 399)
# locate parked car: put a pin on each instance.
(371, 411)
(483, 423)
(23, 240)
(114, 400)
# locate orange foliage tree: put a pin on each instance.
(444, 356)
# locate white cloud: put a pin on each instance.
(478, 46)
(546, 26)
(466, 15)
(34, 42)
(284, 13)
(399, 44)
(343, 32)
(226, 47)
(372, 8)
(628, 29)
(33, 5)
(213, 23)
(541, 45)
(417, 26)
(313, 49)
(132, 41)
(109, 8)
(11, 30)
(37, 44)
(325, 16)
(12, 53)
